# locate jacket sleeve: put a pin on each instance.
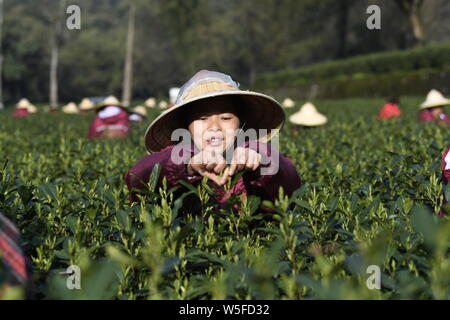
(275, 171)
(173, 168)
(92, 133)
(445, 166)
(425, 116)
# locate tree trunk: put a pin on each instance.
(341, 27)
(54, 77)
(55, 56)
(128, 69)
(417, 25)
(1, 56)
(412, 10)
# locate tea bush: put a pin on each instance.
(430, 57)
(369, 196)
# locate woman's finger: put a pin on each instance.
(210, 175)
(220, 167)
(225, 176)
(233, 167)
(251, 159)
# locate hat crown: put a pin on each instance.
(71, 107)
(435, 95)
(288, 102)
(111, 100)
(140, 110)
(150, 102)
(86, 103)
(23, 103)
(308, 108)
(204, 82)
(434, 98)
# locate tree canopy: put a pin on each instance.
(175, 38)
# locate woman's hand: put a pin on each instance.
(209, 164)
(244, 158)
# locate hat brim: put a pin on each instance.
(102, 105)
(259, 111)
(84, 108)
(309, 121)
(440, 104)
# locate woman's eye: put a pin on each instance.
(226, 118)
(203, 118)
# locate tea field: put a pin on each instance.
(369, 196)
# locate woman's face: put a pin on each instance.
(436, 111)
(213, 126)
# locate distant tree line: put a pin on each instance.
(172, 39)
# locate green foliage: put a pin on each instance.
(369, 196)
(362, 74)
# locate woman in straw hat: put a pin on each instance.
(288, 103)
(209, 110)
(70, 108)
(111, 120)
(138, 114)
(24, 108)
(308, 116)
(150, 102)
(86, 105)
(431, 108)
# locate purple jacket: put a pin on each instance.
(250, 183)
(427, 116)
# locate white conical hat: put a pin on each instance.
(141, 110)
(434, 99)
(86, 104)
(173, 94)
(162, 104)
(70, 108)
(288, 103)
(308, 116)
(150, 102)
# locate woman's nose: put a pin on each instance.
(213, 123)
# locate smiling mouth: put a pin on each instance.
(214, 141)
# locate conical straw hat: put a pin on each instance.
(86, 104)
(23, 104)
(141, 110)
(259, 111)
(288, 103)
(150, 103)
(434, 99)
(308, 116)
(162, 104)
(173, 94)
(110, 101)
(70, 108)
